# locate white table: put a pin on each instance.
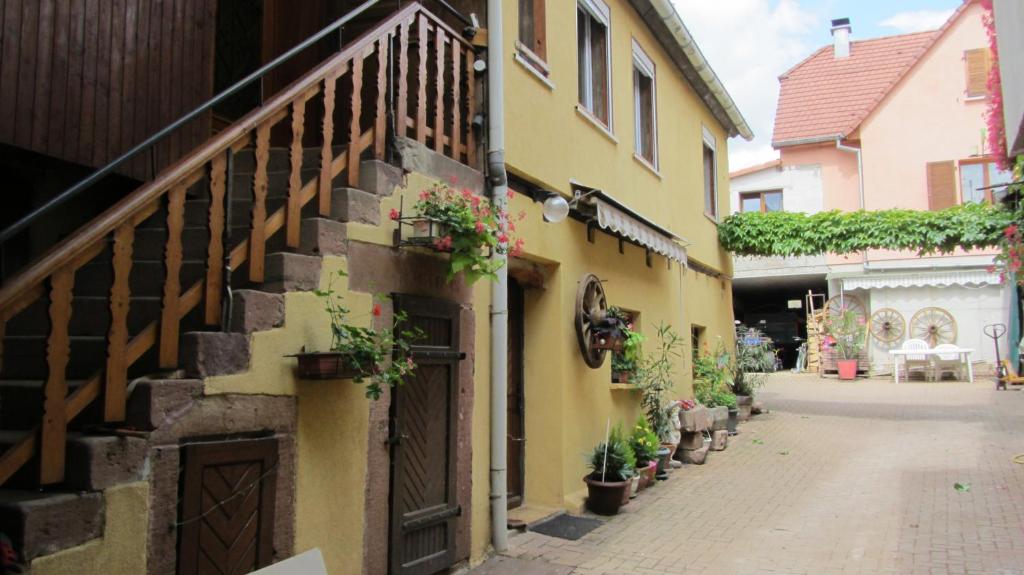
(963, 352)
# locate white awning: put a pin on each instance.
(934, 279)
(613, 219)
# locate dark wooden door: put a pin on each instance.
(424, 412)
(227, 507)
(516, 450)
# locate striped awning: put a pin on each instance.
(618, 221)
(931, 279)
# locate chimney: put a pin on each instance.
(841, 30)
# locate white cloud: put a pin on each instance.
(916, 20)
(749, 43)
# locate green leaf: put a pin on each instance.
(962, 487)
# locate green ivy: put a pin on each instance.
(788, 234)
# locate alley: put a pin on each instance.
(838, 478)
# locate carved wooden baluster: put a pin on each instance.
(170, 317)
(402, 107)
(456, 101)
(421, 83)
(380, 125)
(470, 110)
(327, 151)
(58, 349)
(257, 237)
(293, 219)
(441, 40)
(215, 250)
(115, 395)
(355, 133)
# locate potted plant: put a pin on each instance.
(464, 225)
(617, 436)
(654, 377)
(609, 332)
(847, 330)
(609, 478)
(645, 448)
(624, 362)
(754, 358)
(363, 354)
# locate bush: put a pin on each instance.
(620, 462)
(644, 443)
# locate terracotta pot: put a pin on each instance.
(847, 369)
(326, 365)
(605, 497)
(634, 486)
(647, 474)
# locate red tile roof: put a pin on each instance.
(827, 97)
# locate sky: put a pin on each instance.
(750, 43)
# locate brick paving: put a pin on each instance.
(844, 478)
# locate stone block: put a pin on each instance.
(208, 353)
(254, 310)
(422, 160)
(693, 440)
(95, 463)
(154, 403)
(757, 408)
(696, 419)
(287, 272)
(719, 440)
(352, 205)
(379, 178)
(41, 523)
(696, 456)
(323, 237)
(719, 417)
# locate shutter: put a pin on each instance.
(977, 63)
(941, 185)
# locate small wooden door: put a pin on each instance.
(227, 507)
(424, 412)
(516, 450)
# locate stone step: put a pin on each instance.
(153, 403)
(41, 523)
(96, 462)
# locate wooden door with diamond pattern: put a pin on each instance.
(424, 412)
(227, 507)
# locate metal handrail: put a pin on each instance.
(149, 142)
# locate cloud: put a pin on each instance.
(916, 20)
(749, 43)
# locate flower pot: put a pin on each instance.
(664, 456)
(605, 340)
(847, 369)
(647, 474)
(733, 421)
(621, 376)
(743, 404)
(630, 492)
(605, 497)
(327, 365)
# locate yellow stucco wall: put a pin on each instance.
(121, 550)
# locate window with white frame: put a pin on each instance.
(645, 114)
(710, 175)
(593, 42)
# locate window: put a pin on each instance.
(645, 114)
(594, 59)
(768, 201)
(710, 176)
(532, 34)
(941, 185)
(976, 175)
(976, 65)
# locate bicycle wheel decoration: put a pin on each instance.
(933, 325)
(888, 326)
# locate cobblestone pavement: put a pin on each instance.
(837, 478)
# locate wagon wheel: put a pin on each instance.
(836, 304)
(888, 326)
(933, 325)
(591, 307)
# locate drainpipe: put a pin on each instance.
(860, 182)
(497, 181)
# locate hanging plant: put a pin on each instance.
(466, 226)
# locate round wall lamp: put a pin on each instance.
(556, 208)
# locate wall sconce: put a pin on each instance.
(556, 207)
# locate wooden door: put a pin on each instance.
(227, 507)
(424, 412)
(516, 450)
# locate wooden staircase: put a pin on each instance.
(112, 301)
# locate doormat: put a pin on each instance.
(567, 526)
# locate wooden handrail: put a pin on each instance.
(54, 272)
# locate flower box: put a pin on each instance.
(327, 365)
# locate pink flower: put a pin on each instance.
(424, 194)
(1011, 230)
(511, 227)
(503, 238)
(991, 269)
(376, 310)
(467, 193)
(453, 179)
(511, 194)
(394, 214)
(409, 363)
(475, 200)
(480, 227)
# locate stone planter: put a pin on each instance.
(719, 440)
(719, 417)
(743, 404)
(696, 419)
(605, 497)
(696, 456)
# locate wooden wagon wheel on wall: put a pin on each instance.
(834, 306)
(591, 308)
(933, 325)
(888, 326)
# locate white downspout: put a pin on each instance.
(498, 183)
(860, 182)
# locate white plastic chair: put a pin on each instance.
(946, 362)
(916, 362)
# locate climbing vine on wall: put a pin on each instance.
(797, 234)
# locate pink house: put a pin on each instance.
(893, 122)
